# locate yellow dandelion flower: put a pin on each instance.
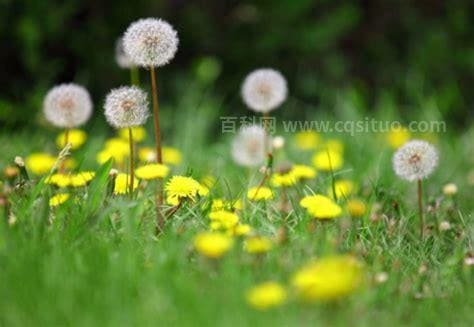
(334, 145)
(117, 146)
(40, 163)
(397, 137)
(146, 154)
(218, 204)
(171, 156)
(172, 201)
(321, 207)
(122, 183)
(266, 295)
(356, 208)
(343, 188)
(104, 155)
(307, 140)
(327, 160)
(58, 199)
(81, 178)
(181, 187)
(60, 180)
(152, 171)
(212, 244)
(257, 245)
(241, 230)
(203, 191)
(76, 137)
(223, 219)
(329, 278)
(301, 172)
(283, 179)
(139, 133)
(259, 193)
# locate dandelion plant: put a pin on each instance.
(415, 161)
(127, 107)
(152, 43)
(264, 90)
(67, 106)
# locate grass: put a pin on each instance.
(97, 261)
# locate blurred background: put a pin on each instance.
(406, 55)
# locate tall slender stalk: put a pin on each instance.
(420, 208)
(132, 162)
(156, 120)
(333, 180)
(156, 115)
(62, 168)
(268, 149)
(134, 76)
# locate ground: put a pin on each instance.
(97, 261)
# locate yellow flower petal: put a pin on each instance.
(307, 140)
(40, 163)
(76, 138)
(327, 160)
(138, 133)
(321, 207)
(58, 199)
(122, 182)
(152, 171)
(258, 245)
(259, 193)
(212, 244)
(328, 279)
(266, 295)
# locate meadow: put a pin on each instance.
(226, 255)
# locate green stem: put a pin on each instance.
(420, 208)
(132, 163)
(156, 121)
(62, 168)
(134, 76)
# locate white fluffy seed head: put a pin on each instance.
(264, 90)
(121, 57)
(126, 106)
(248, 146)
(150, 42)
(67, 105)
(415, 160)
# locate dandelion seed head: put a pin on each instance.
(150, 42)
(126, 106)
(415, 160)
(67, 105)
(248, 147)
(264, 90)
(121, 57)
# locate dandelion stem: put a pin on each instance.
(268, 149)
(132, 164)
(62, 168)
(156, 115)
(420, 208)
(333, 181)
(156, 120)
(174, 209)
(134, 76)
(66, 136)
